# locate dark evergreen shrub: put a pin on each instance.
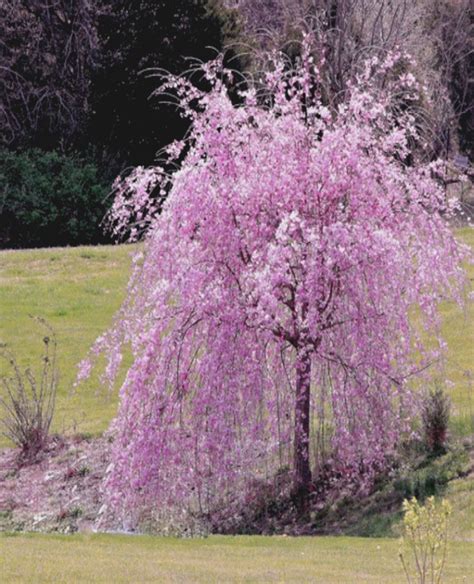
(435, 417)
(49, 199)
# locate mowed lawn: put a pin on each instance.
(115, 559)
(78, 290)
(458, 331)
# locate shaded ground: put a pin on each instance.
(336, 510)
(61, 492)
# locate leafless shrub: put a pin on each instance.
(437, 33)
(28, 401)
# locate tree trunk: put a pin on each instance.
(302, 469)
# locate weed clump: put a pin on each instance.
(28, 401)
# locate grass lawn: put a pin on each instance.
(458, 331)
(460, 493)
(115, 559)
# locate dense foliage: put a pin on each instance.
(50, 199)
(271, 304)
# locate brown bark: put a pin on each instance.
(302, 468)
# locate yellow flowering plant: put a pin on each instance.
(424, 543)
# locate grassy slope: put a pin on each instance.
(107, 558)
(78, 290)
(461, 495)
(458, 331)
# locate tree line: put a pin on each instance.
(77, 79)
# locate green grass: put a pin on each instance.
(77, 290)
(119, 559)
(461, 496)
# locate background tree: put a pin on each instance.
(284, 266)
(438, 34)
(453, 28)
(135, 37)
(46, 52)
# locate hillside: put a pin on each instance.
(78, 290)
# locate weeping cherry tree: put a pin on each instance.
(293, 247)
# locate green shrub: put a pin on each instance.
(432, 476)
(49, 199)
